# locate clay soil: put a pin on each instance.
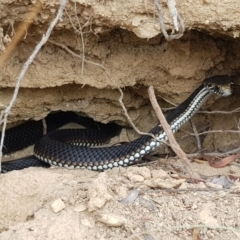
(152, 200)
(81, 204)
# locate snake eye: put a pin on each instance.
(210, 86)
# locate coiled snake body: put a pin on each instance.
(54, 148)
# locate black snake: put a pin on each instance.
(59, 147)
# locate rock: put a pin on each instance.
(160, 174)
(80, 208)
(194, 206)
(58, 205)
(135, 177)
(213, 185)
(206, 215)
(98, 192)
(166, 183)
(87, 223)
(143, 171)
(112, 220)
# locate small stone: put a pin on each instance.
(135, 177)
(112, 220)
(143, 171)
(97, 203)
(206, 22)
(85, 222)
(174, 175)
(99, 192)
(167, 183)
(213, 185)
(58, 205)
(160, 174)
(206, 215)
(194, 206)
(80, 208)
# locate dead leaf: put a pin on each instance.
(219, 163)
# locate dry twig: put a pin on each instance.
(199, 145)
(175, 146)
(79, 31)
(215, 154)
(236, 110)
(211, 131)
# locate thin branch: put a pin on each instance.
(129, 119)
(168, 101)
(236, 110)
(196, 134)
(214, 154)
(175, 146)
(80, 32)
(6, 112)
(211, 131)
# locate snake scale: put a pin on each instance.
(59, 147)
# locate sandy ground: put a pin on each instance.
(124, 203)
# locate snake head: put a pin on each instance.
(220, 85)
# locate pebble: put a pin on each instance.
(213, 185)
(167, 183)
(112, 220)
(80, 208)
(135, 177)
(85, 222)
(194, 206)
(58, 205)
(143, 171)
(160, 174)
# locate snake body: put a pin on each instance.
(57, 148)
